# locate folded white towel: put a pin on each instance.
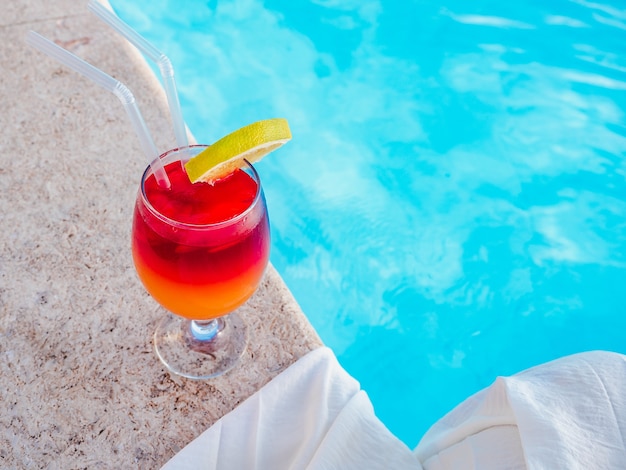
(311, 416)
(566, 414)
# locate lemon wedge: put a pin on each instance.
(251, 142)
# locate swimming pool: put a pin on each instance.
(453, 204)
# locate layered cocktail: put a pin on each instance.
(200, 250)
(200, 238)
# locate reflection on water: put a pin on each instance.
(453, 204)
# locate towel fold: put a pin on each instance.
(311, 416)
(566, 414)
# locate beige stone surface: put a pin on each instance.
(80, 385)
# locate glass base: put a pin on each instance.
(183, 353)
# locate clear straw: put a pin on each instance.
(162, 61)
(117, 88)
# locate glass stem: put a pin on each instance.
(206, 330)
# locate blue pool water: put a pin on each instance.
(453, 204)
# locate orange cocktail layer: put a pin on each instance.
(212, 264)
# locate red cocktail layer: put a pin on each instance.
(214, 261)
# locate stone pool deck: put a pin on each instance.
(80, 385)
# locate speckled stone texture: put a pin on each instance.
(80, 385)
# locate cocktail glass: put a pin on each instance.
(200, 251)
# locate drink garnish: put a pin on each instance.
(251, 143)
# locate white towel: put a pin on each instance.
(566, 414)
(311, 416)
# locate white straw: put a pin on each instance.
(114, 86)
(162, 61)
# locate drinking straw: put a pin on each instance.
(117, 88)
(162, 61)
